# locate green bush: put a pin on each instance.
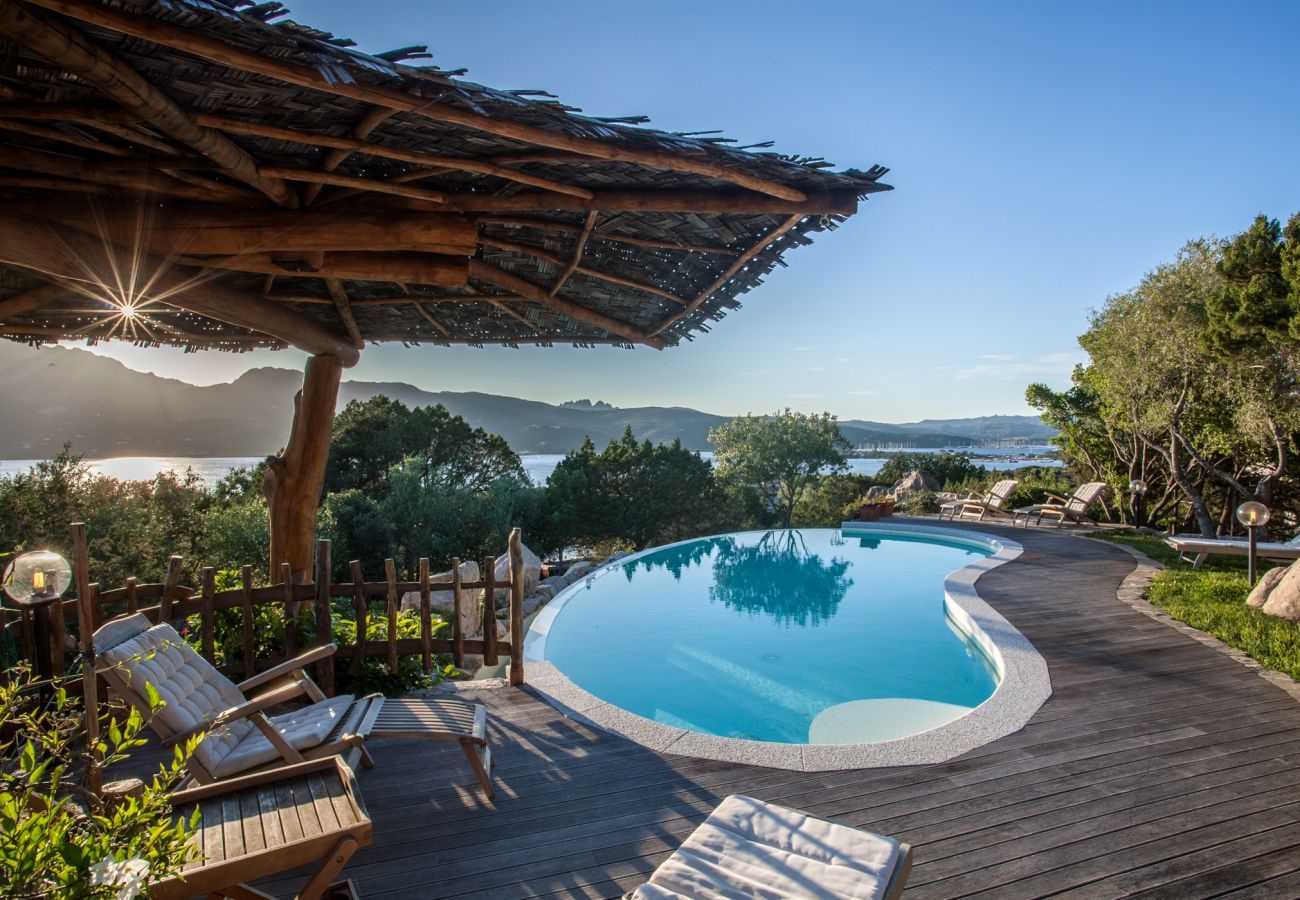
(375, 674)
(919, 503)
(823, 504)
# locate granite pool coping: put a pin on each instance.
(1023, 685)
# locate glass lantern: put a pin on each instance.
(35, 576)
(1137, 487)
(1253, 514)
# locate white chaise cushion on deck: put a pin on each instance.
(750, 849)
(193, 692)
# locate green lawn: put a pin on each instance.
(1212, 599)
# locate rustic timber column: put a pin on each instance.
(294, 480)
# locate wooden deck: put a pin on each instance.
(1159, 767)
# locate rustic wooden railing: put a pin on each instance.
(170, 600)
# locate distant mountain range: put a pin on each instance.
(105, 409)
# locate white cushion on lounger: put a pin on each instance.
(750, 849)
(193, 692)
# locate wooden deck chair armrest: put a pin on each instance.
(1061, 501)
(316, 654)
(254, 779)
(254, 707)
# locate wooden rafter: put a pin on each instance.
(81, 257)
(416, 268)
(64, 45)
(38, 182)
(32, 300)
(581, 246)
(840, 202)
(741, 261)
(137, 180)
(539, 253)
(343, 304)
(54, 134)
(235, 57)
(547, 225)
(369, 122)
(428, 317)
(345, 147)
(525, 288)
(361, 184)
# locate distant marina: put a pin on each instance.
(538, 466)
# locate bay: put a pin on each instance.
(538, 466)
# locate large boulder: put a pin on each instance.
(471, 609)
(577, 570)
(916, 480)
(532, 573)
(1277, 593)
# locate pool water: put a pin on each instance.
(797, 636)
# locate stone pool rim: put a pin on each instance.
(1023, 684)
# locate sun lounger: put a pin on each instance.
(748, 848)
(1075, 507)
(1203, 547)
(239, 737)
(261, 825)
(977, 508)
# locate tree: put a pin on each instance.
(370, 436)
(783, 453)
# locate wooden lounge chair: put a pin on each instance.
(260, 825)
(1203, 548)
(748, 848)
(239, 737)
(993, 502)
(1075, 507)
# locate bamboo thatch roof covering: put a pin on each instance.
(270, 185)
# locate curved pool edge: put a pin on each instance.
(1023, 686)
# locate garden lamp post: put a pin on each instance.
(34, 582)
(1138, 489)
(1254, 515)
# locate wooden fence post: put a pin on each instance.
(390, 575)
(290, 612)
(362, 613)
(170, 584)
(324, 628)
(489, 612)
(426, 616)
(457, 626)
(86, 624)
(516, 552)
(246, 607)
(206, 623)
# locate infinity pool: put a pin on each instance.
(811, 636)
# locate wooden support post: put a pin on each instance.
(426, 616)
(290, 612)
(132, 602)
(324, 619)
(457, 626)
(390, 575)
(489, 612)
(207, 624)
(54, 636)
(516, 552)
(86, 625)
(294, 480)
(170, 584)
(362, 613)
(246, 607)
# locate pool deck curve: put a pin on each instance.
(1159, 767)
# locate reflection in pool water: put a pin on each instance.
(758, 634)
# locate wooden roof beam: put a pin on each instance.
(30, 301)
(585, 233)
(743, 202)
(136, 180)
(64, 45)
(56, 252)
(525, 288)
(741, 261)
(428, 317)
(545, 225)
(344, 306)
(539, 253)
(414, 268)
(360, 131)
(227, 54)
(347, 146)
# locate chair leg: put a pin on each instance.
(324, 876)
(480, 760)
(367, 761)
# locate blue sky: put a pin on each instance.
(1044, 155)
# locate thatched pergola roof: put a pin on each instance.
(272, 186)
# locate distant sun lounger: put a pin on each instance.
(992, 503)
(1074, 507)
(1204, 547)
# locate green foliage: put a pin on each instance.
(639, 493)
(920, 503)
(375, 674)
(360, 530)
(1258, 306)
(781, 453)
(950, 469)
(824, 503)
(57, 838)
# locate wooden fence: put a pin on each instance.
(169, 600)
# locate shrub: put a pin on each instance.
(919, 503)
